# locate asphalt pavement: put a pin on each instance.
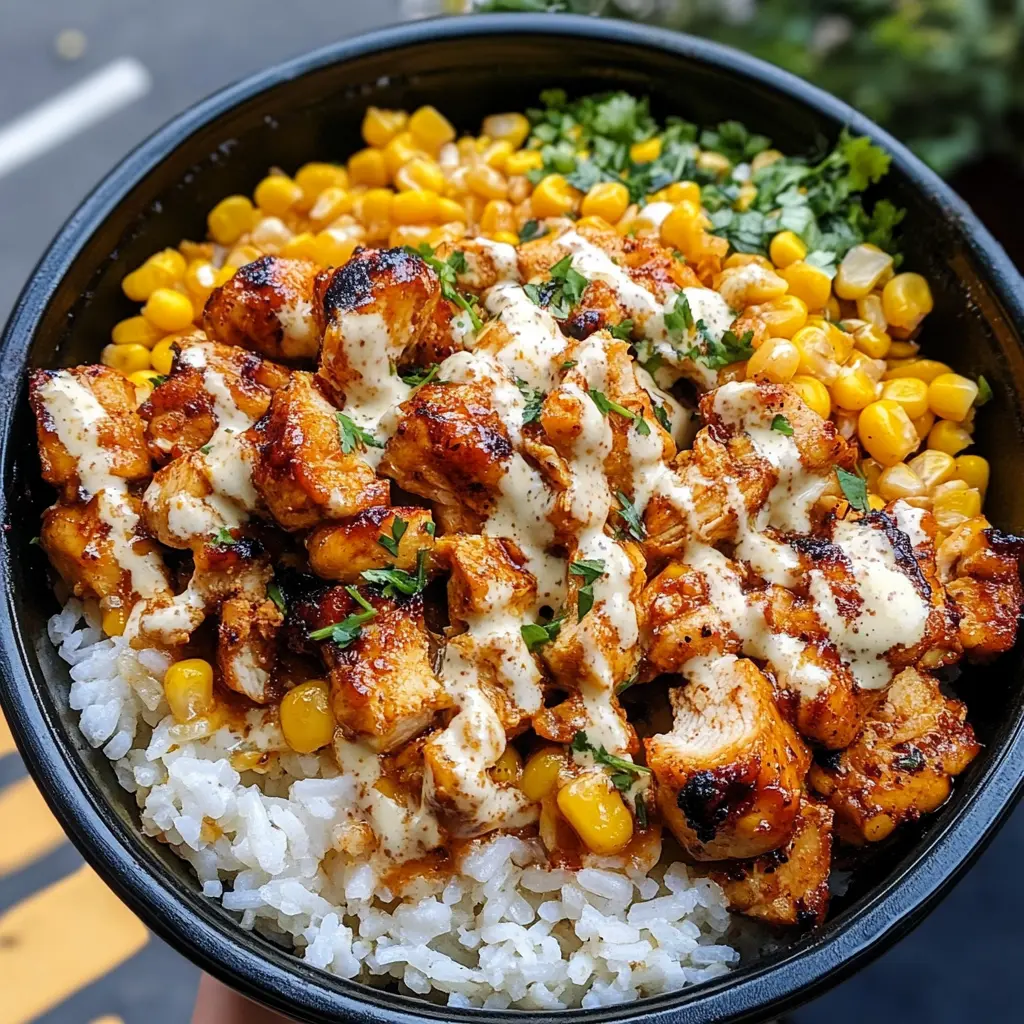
(961, 963)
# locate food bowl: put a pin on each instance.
(311, 108)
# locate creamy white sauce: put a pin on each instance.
(535, 353)
(76, 416)
(298, 324)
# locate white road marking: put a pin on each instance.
(58, 119)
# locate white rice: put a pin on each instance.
(509, 932)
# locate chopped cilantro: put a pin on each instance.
(431, 528)
(627, 683)
(630, 515)
(537, 634)
(353, 436)
(606, 405)
(349, 629)
(394, 581)
(661, 415)
(725, 352)
(224, 537)
(206, 449)
(623, 772)
(984, 395)
(275, 595)
(912, 761)
(446, 271)
(421, 375)
(590, 570)
(679, 319)
(623, 330)
(568, 364)
(855, 488)
(563, 291)
(390, 544)
(781, 424)
(534, 401)
(733, 141)
(531, 230)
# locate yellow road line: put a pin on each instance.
(60, 940)
(27, 828)
(6, 739)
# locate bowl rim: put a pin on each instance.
(279, 980)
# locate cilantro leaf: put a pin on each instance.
(630, 515)
(734, 141)
(534, 401)
(531, 230)
(446, 271)
(351, 627)
(661, 415)
(390, 544)
(912, 761)
(718, 353)
(568, 364)
(623, 330)
(868, 163)
(157, 379)
(206, 449)
(855, 488)
(431, 529)
(353, 436)
(627, 683)
(394, 581)
(275, 595)
(606, 405)
(224, 537)
(781, 424)
(421, 375)
(680, 318)
(620, 765)
(590, 570)
(984, 395)
(537, 634)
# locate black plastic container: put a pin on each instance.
(311, 108)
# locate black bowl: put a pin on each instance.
(311, 108)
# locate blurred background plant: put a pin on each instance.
(945, 76)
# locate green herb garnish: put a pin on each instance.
(531, 230)
(606, 405)
(537, 634)
(623, 330)
(624, 773)
(394, 581)
(349, 629)
(224, 537)
(855, 488)
(353, 436)
(390, 544)
(275, 595)
(631, 517)
(534, 401)
(984, 395)
(661, 415)
(562, 291)
(719, 353)
(679, 319)
(421, 375)
(590, 570)
(781, 424)
(447, 271)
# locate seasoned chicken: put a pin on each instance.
(787, 886)
(267, 306)
(383, 688)
(451, 448)
(375, 538)
(730, 773)
(208, 382)
(308, 467)
(902, 764)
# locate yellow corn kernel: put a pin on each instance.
(188, 687)
(241, 255)
(451, 231)
(416, 207)
(270, 234)
(410, 234)
(300, 247)
(334, 246)
(276, 194)
(903, 349)
(114, 620)
(973, 470)
(910, 392)
(508, 767)
(331, 204)
(306, 718)
(872, 341)
(161, 270)
(420, 173)
(381, 126)
(201, 278)
(817, 356)
(776, 360)
(314, 177)
(139, 284)
(645, 152)
(714, 163)
(399, 151)
(749, 284)
(144, 378)
(814, 394)
(554, 197)
(906, 300)
(955, 507)
(126, 358)
(136, 330)
(841, 341)
(513, 128)
(869, 309)
(162, 355)
(374, 206)
(900, 481)
(923, 369)
(871, 471)
(747, 194)
(498, 217)
(683, 191)
(862, 269)
(923, 424)
(885, 431)
(508, 237)
(764, 159)
(168, 310)
(496, 154)
(876, 502)
(933, 468)
(541, 772)
(949, 437)
(853, 390)
(951, 396)
(597, 813)
(448, 210)
(486, 182)
(786, 248)
(684, 226)
(230, 219)
(808, 282)
(431, 129)
(607, 199)
(367, 167)
(783, 316)
(523, 161)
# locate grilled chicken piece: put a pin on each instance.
(980, 566)
(788, 886)
(383, 688)
(206, 381)
(267, 306)
(487, 263)
(451, 448)
(301, 469)
(738, 461)
(343, 551)
(376, 312)
(105, 399)
(902, 764)
(731, 771)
